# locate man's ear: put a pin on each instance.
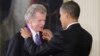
(67, 15)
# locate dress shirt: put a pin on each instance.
(33, 34)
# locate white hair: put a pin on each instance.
(33, 9)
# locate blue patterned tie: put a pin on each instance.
(38, 40)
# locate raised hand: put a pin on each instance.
(25, 33)
(47, 34)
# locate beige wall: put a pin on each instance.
(89, 19)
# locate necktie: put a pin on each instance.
(38, 40)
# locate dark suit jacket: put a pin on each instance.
(16, 46)
(75, 41)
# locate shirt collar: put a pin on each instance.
(71, 24)
(32, 31)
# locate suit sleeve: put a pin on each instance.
(51, 47)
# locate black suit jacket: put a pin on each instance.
(16, 46)
(75, 41)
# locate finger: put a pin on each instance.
(25, 28)
(44, 37)
(22, 29)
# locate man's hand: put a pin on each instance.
(47, 34)
(25, 33)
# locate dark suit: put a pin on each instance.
(16, 46)
(75, 41)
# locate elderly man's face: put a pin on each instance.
(38, 22)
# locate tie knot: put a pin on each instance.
(36, 35)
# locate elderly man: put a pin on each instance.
(73, 40)
(35, 19)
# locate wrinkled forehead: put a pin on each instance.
(39, 15)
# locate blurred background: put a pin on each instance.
(12, 19)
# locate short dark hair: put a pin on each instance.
(71, 8)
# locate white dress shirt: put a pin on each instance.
(33, 34)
